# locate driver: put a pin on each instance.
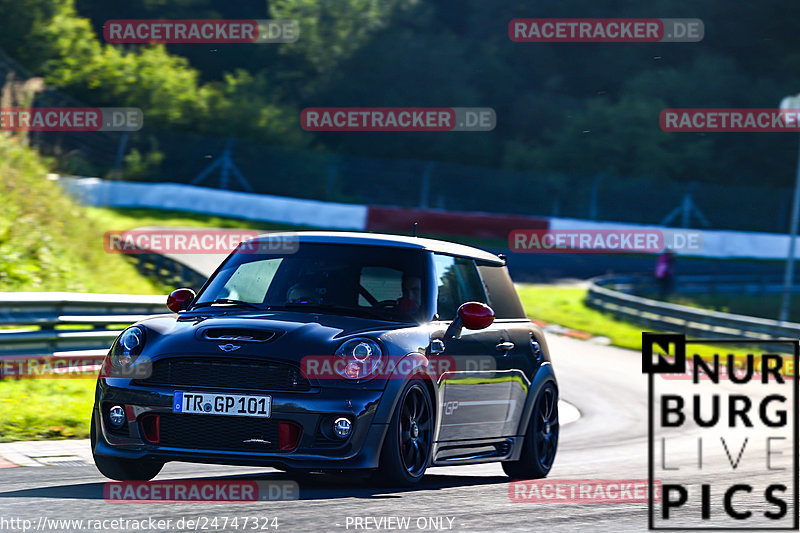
(411, 299)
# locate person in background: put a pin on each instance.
(665, 273)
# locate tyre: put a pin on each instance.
(541, 438)
(123, 469)
(407, 446)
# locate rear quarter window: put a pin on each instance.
(500, 292)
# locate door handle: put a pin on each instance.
(505, 347)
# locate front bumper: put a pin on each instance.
(311, 410)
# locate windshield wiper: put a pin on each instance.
(228, 301)
(335, 308)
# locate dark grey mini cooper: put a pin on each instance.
(332, 351)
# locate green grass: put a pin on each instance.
(32, 409)
(564, 305)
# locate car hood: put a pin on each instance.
(286, 335)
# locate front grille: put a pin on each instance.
(213, 432)
(235, 374)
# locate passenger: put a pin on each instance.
(300, 293)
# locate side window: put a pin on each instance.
(250, 281)
(381, 282)
(457, 282)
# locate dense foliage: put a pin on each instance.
(571, 108)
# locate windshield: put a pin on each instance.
(379, 282)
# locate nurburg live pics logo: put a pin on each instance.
(724, 446)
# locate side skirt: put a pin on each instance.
(476, 451)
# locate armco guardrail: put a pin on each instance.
(83, 325)
(169, 270)
(613, 294)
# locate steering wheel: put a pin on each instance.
(386, 304)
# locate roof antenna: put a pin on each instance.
(415, 230)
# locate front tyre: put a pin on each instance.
(407, 446)
(123, 469)
(541, 438)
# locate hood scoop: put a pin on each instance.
(219, 334)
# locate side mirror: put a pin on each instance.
(180, 299)
(476, 315)
(471, 315)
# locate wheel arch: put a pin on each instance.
(544, 375)
(395, 385)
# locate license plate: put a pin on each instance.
(222, 404)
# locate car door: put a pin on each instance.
(526, 352)
(476, 396)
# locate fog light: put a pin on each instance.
(342, 427)
(116, 415)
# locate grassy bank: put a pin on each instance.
(46, 239)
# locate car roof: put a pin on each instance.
(382, 239)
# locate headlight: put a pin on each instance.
(128, 347)
(131, 339)
(360, 358)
